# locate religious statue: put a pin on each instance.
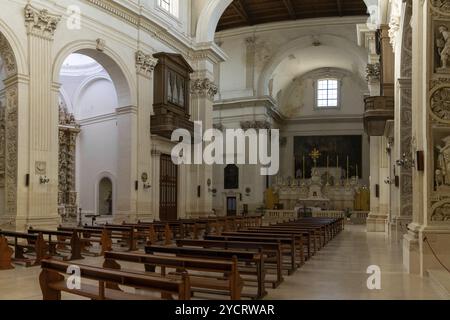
(108, 201)
(443, 44)
(443, 164)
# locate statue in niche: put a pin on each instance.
(442, 172)
(443, 45)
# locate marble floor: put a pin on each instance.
(338, 272)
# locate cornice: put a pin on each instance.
(266, 102)
(180, 43)
(286, 25)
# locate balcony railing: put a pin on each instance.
(378, 110)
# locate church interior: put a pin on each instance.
(225, 149)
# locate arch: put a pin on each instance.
(16, 48)
(117, 69)
(209, 18)
(112, 178)
(304, 42)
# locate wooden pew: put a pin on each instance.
(310, 236)
(207, 282)
(298, 237)
(119, 233)
(5, 254)
(326, 227)
(88, 236)
(32, 244)
(273, 251)
(247, 258)
(53, 281)
(61, 240)
(289, 247)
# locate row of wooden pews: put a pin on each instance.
(205, 258)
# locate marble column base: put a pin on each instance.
(399, 225)
(377, 223)
(420, 256)
(411, 252)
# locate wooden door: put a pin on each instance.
(168, 189)
(231, 206)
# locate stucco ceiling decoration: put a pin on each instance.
(242, 13)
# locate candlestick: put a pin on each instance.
(328, 170)
(348, 168)
(357, 172)
(304, 168)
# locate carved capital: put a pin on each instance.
(41, 23)
(373, 72)
(204, 87)
(145, 63)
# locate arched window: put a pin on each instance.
(105, 194)
(231, 177)
(170, 6)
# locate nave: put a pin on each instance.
(337, 272)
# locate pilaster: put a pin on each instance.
(43, 127)
(145, 65)
(426, 244)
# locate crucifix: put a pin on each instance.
(315, 155)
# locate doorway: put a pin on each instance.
(231, 206)
(168, 189)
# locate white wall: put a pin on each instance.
(97, 158)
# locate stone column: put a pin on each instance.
(429, 234)
(145, 64)
(43, 125)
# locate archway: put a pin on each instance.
(105, 197)
(8, 132)
(93, 89)
(209, 18)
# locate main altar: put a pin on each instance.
(327, 189)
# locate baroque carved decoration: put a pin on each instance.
(442, 44)
(8, 130)
(204, 87)
(145, 63)
(440, 104)
(40, 22)
(406, 56)
(406, 188)
(67, 195)
(394, 23)
(440, 7)
(373, 72)
(440, 211)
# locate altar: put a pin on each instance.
(324, 191)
